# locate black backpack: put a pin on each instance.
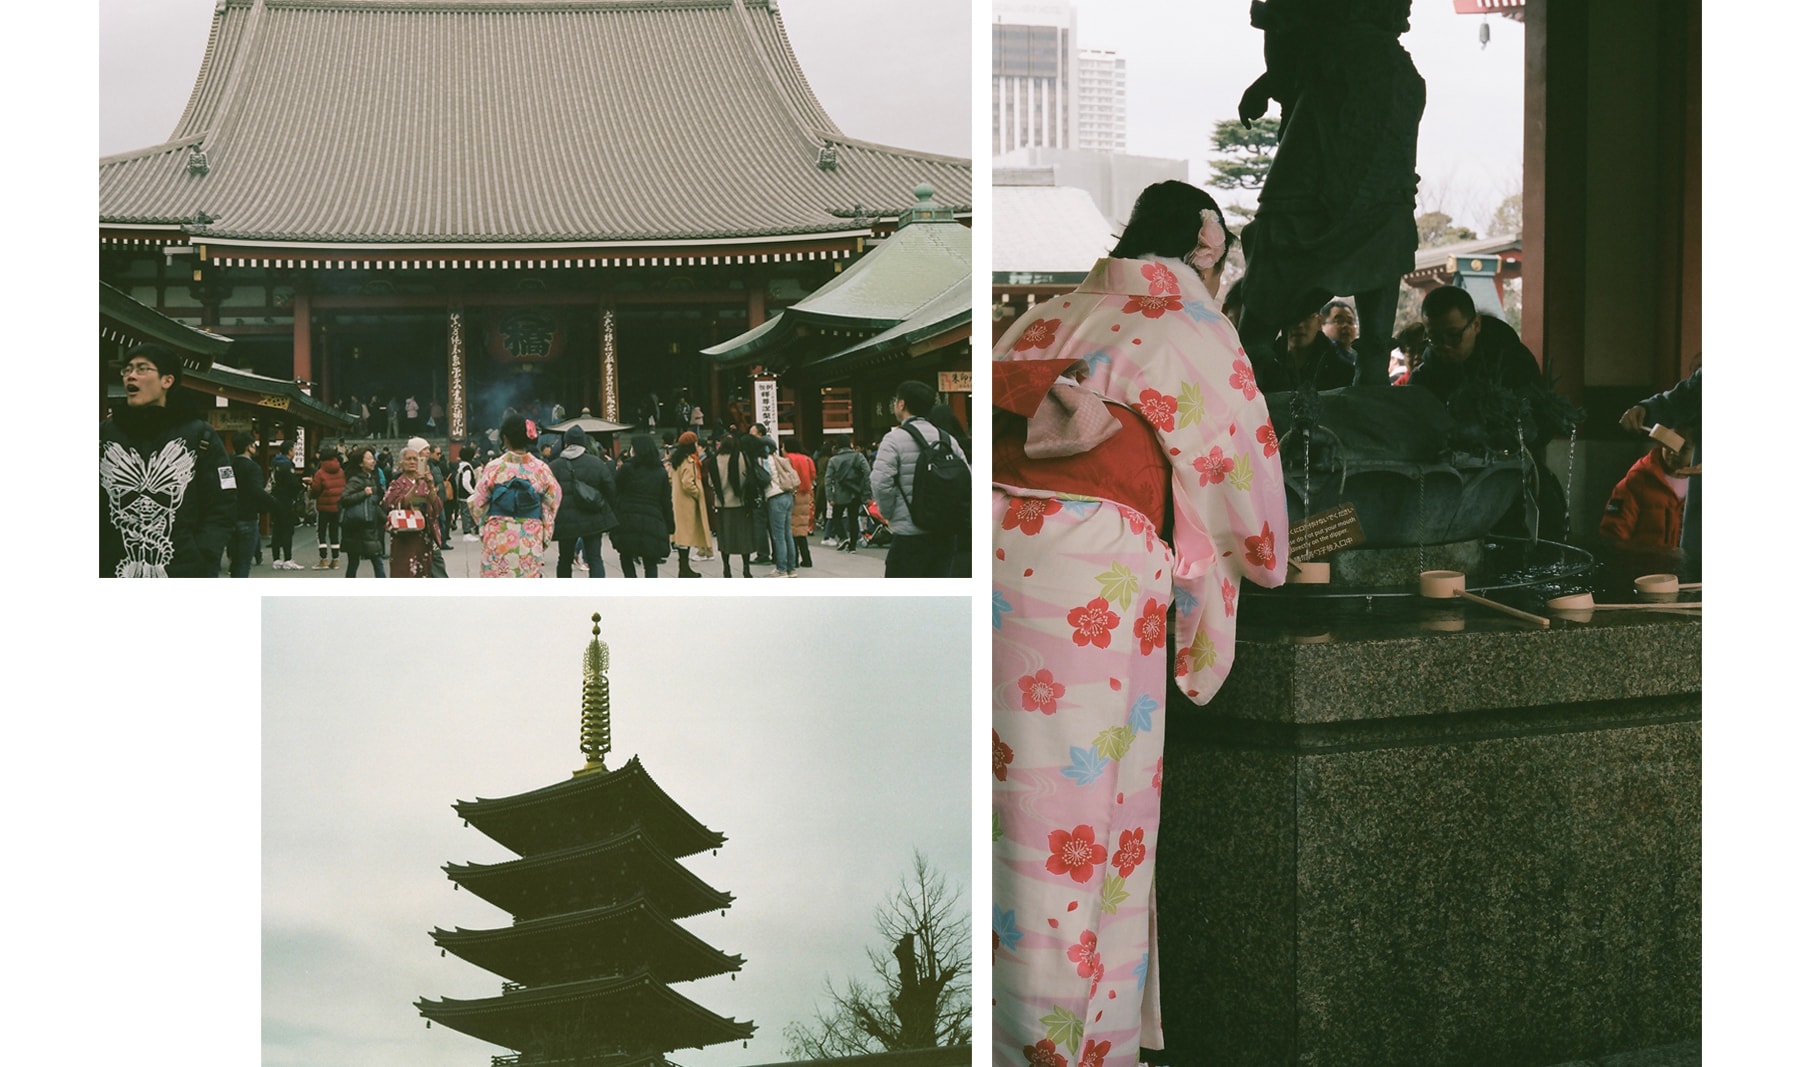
(941, 485)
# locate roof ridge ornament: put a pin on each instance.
(196, 161)
(596, 703)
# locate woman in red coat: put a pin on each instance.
(413, 490)
(326, 488)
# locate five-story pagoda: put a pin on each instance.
(595, 895)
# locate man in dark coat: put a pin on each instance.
(167, 488)
(252, 503)
(589, 508)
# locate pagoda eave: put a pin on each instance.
(621, 939)
(562, 814)
(633, 1014)
(567, 880)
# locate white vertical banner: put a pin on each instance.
(766, 396)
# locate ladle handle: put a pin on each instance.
(1504, 609)
(1673, 605)
(1688, 585)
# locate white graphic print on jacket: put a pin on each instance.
(145, 497)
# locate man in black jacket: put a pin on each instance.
(167, 503)
(252, 503)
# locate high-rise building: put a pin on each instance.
(1034, 74)
(1100, 100)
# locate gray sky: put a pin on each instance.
(824, 741)
(1187, 64)
(890, 71)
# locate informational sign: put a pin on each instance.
(956, 381)
(1324, 533)
(766, 396)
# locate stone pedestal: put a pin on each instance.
(1387, 842)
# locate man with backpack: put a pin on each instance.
(921, 483)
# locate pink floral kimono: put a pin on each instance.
(1082, 590)
(510, 547)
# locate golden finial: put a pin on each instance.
(596, 703)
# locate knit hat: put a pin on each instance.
(688, 438)
(419, 445)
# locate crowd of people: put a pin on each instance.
(174, 503)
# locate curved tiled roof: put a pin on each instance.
(508, 122)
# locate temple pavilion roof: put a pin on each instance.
(590, 807)
(459, 124)
(618, 940)
(912, 284)
(631, 1014)
(590, 876)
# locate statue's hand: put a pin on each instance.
(1254, 104)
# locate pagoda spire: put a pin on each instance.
(596, 703)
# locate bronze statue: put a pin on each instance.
(1335, 216)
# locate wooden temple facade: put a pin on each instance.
(596, 894)
(495, 202)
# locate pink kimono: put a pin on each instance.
(1082, 589)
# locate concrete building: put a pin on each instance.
(1100, 101)
(1034, 74)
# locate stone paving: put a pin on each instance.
(464, 561)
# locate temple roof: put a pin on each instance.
(634, 1014)
(1048, 230)
(590, 876)
(617, 940)
(127, 320)
(917, 280)
(472, 123)
(590, 807)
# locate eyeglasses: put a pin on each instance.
(130, 369)
(1448, 338)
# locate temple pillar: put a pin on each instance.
(303, 368)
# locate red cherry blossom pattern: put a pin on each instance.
(1214, 466)
(1260, 550)
(1242, 377)
(1026, 514)
(1040, 692)
(1151, 307)
(1044, 1054)
(1130, 854)
(1151, 628)
(1094, 623)
(1158, 409)
(1003, 755)
(1094, 1055)
(1265, 434)
(1228, 593)
(1161, 279)
(1040, 334)
(1074, 853)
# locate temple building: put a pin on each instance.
(505, 202)
(595, 895)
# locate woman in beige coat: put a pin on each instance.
(688, 494)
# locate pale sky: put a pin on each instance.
(823, 740)
(891, 71)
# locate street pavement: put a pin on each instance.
(464, 561)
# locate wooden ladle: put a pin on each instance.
(1449, 585)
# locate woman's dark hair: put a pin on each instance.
(357, 454)
(1165, 221)
(944, 419)
(643, 452)
(744, 451)
(512, 431)
(1233, 304)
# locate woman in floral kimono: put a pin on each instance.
(1135, 468)
(413, 490)
(513, 546)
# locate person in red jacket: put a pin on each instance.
(1645, 507)
(326, 488)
